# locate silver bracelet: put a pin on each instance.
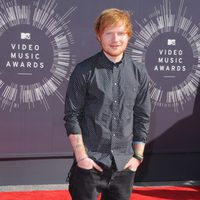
(81, 159)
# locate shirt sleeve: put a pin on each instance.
(74, 101)
(142, 110)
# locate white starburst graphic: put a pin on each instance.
(169, 45)
(38, 57)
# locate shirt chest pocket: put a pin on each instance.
(130, 95)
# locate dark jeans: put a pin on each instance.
(113, 185)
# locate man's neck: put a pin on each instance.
(114, 59)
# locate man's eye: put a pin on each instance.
(121, 33)
(108, 33)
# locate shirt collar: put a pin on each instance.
(105, 62)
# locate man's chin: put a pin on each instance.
(115, 53)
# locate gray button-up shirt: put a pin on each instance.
(109, 105)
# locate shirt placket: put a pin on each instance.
(115, 108)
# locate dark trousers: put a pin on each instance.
(112, 184)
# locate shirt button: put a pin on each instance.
(113, 135)
(115, 101)
(112, 151)
(115, 83)
(114, 118)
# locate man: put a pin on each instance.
(107, 114)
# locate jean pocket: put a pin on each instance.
(129, 170)
(83, 170)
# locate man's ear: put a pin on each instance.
(98, 38)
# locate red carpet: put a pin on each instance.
(144, 193)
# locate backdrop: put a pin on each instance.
(42, 41)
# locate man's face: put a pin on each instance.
(114, 40)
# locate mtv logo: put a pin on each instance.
(171, 42)
(25, 36)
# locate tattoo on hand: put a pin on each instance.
(78, 142)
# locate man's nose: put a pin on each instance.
(115, 37)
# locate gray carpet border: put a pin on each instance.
(15, 188)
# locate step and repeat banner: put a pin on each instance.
(42, 41)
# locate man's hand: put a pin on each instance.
(132, 164)
(88, 163)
